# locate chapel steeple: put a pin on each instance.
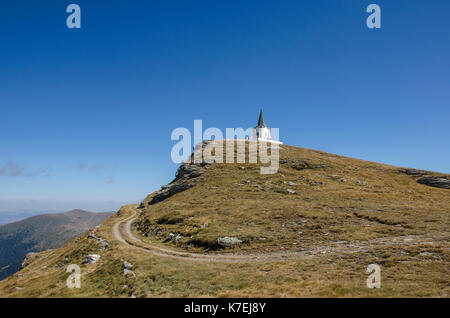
(261, 132)
(261, 122)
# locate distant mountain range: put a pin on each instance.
(14, 216)
(41, 232)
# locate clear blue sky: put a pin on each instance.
(86, 115)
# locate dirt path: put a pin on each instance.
(122, 232)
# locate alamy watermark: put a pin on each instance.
(374, 279)
(374, 19)
(73, 20)
(74, 280)
(213, 149)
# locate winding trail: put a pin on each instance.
(122, 232)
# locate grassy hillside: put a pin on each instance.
(41, 232)
(311, 229)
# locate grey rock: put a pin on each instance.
(426, 254)
(435, 181)
(184, 173)
(156, 230)
(290, 191)
(228, 241)
(27, 257)
(292, 183)
(170, 236)
(178, 187)
(189, 170)
(301, 165)
(128, 273)
(91, 259)
(170, 190)
(104, 243)
(127, 265)
(413, 172)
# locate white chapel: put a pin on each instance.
(261, 132)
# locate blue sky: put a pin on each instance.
(87, 114)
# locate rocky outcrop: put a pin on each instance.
(442, 182)
(190, 170)
(414, 172)
(168, 190)
(26, 260)
(435, 181)
(184, 179)
(104, 244)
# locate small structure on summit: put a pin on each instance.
(262, 132)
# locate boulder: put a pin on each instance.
(228, 241)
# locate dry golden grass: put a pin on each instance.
(377, 215)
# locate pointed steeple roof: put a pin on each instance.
(261, 122)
